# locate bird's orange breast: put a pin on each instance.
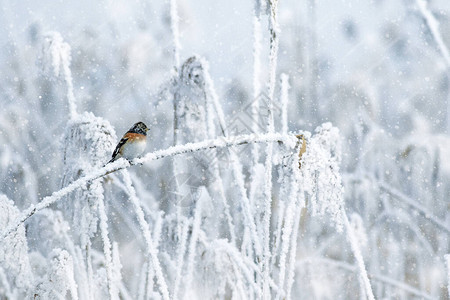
(134, 137)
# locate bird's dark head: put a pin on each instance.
(140, 128)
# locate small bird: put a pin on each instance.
(132, 143)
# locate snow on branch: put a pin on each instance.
(235, 164)
(321, 175)
(14, 248)
(356, 249)
(59, 280)
(255, 106)
(433, 25)
(174, 20)
(273, 29)
(222, 142)
(86, 145)
(375, 277)
(447, 260)
(295, 203)
(56, 60)
(414, 205)
(152, 250)
(107, 249)
(284, 101)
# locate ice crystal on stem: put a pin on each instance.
(56, 60)
(14, 259)
(321, 175)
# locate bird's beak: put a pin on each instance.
(148, 129)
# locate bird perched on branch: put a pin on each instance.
(132, 143)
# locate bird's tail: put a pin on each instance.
(110, 161)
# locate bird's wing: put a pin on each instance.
(118, 148)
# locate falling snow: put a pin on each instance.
(297, 150)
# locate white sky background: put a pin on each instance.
(221, 31)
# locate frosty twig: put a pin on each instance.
(358, 257)
(433, 25)
(175, 32)
(284, 102)
(113, 291)
(120, 164)
(273, 28)
(414, 205)
(57, 56)
(147, 236)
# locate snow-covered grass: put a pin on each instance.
(307, 160)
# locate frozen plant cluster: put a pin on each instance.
(182, 241)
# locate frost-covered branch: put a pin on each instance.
(413, 204)
(181, 251)
(433, 25)
(447, 261)
(257, 37)
(212, 97)
(380, 278)
(235, 164)
(113, 291)
(291, 264)
(175, 32)
(273, 28)
(56, 54)
(121, 164)
(147, 236)
(358, 256)
(274, 41)
(194, 238)
(284, 102)
(289, 233)
(255, 106)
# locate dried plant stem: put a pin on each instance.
(113, 291)
(121, 164)
(358, 257)
(152, 251)
(273, 29)
(175, 32)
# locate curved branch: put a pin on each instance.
(433, 26)
(222, 142)
(375, 277)
(414, 204)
